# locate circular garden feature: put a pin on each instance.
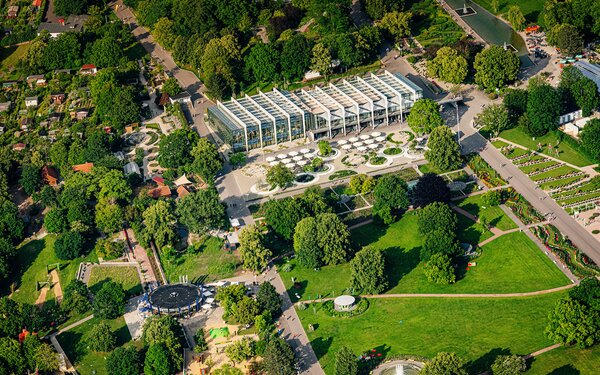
(175, 299)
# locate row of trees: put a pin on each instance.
(570, 23)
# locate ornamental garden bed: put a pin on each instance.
(485, 172)
(393, 151)
(341, 174)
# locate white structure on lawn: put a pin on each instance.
(348, 105)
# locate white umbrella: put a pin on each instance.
(286, 160)
(297, 158)
(369, 141)
(364, 136)
(270, 158)
(281, 156)
(302, 163)
(274, 163)
(304, 151)
(290, 165)
(346, 147)
(353, 139)
(342, 142)
(375, 134)
(380, 139)
(293, 153)
(362, 149)
(373, 146)
(357, 144)
(309, 156)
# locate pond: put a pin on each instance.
(492, 29)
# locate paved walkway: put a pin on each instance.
(141, 257)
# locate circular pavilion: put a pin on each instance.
(344, 303)
(176, 299)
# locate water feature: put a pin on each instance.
(401, 369)
(492, 29)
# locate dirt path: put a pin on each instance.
(458, 295)
(58, 293)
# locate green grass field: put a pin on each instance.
(567, 153)
(494, 215)
(9, 57)
(532, 9)
(567, 361)
(509, 264)
(210, 263)
(471, 232)
(126, 276)
(32, 258)
(476, 329)
(85, 361)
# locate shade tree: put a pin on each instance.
(424, 116)
(444, 363)
(76, 297)
(494, 118)
(206, 160)
(255, 255)
(368, 271)
(201, 211)
(573, 323)
(269, 299)
(279, 357)
(448, 66)
(590, 138)
(279, 176)
(109, 301)
(345, 362)
(69, 245)
(508, 365)
(101, 338)
(123, 361)
(430, 188)
(543, 109)
(175, 149)
(444, 151)
(391, 197)
(495, 67)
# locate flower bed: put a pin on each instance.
(485, 172)
(378, 160)
(522, 208)
(570, 255)
(341, 174)
(393, 151)
(404, 134)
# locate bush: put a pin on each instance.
(69, 245)
(492, 198)
(361, 306)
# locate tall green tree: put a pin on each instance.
(31, 179)
(590, 138)
(157, 361)
(280, 176)
(334, 238)
(175, 149)
(430, 188)
(109, 217)
(206, 160)
(368, 271)
(567, 38)
(279, 357)
(448, 66)
(255, 255)
(439, 270)
(495, 67)
(444, 152)
(282, 215)
(508, 365)
(345, 362)
(263, 62)
(515, 17)
(76, 297)
(7, 254)
(424, 116)
(166, 331)
(123, 361)
(159, 224)
(396, 24)
(494, 118)
(585, 93)
(543, 109)
(573, 323)
(321, 60)
(391, 197)
(306, 245)
(515, 102)
(268, 299)
(69, 245)
(201, 211)
(11, 225)
(295, 57)
(109, 302)
(101, 338)
(444, 364)
(106, 52)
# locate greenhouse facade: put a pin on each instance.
(348, 105)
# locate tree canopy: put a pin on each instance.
(590, 138)
(345, 362)
(201, 211)
(430, 188)
(444, 152)
(448, 66)
(495, 67)
(494, 118)
(368, 271)
(109, 302)
(175, 149)
(543, 109)
(424, 116)
(444, 364)
(255, 255)
(206, 160)
(391, 197)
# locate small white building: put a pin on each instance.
(182, 97)
(573, 128)
(31, 101)
(569, 117)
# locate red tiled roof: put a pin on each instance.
(37, 3)
(161, 191)
(85, 167)
(49, 175)
(88, 66)
(159, 180)
(182, 191)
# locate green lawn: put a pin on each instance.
(476, 329)
(568, 153)
(126, 276)
(537, 167)
(532, 9)
(85, 361)
(567, 361)
(211, 262)
(471, 232)
(557, 172)
(32, 258)
(9, 57)
(511, 263)
(494, 215)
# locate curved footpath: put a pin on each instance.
(453, 295)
